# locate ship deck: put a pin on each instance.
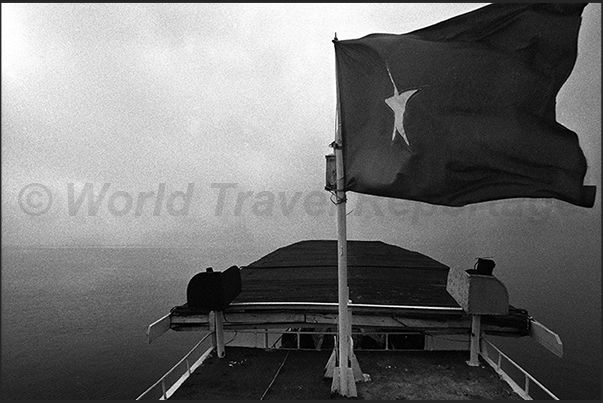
(378, 273)
(259, 374)
(389, 287)
(393, 291)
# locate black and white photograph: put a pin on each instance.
(301, 201)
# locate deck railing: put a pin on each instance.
(171, 381)
(514, 375)
(271, 337)
(509, 371)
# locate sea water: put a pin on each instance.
(74, 322)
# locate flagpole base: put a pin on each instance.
(358, 375)
(331, 364)
(344, 383)
(344, 377)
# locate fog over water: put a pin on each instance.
(210, 102)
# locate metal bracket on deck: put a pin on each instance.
(216, 327)
(546, 337)
(344, 376)
(476, 336)
(353, 363)
(159, 327)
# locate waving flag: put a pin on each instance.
(463, 111)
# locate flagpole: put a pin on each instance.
(343, 377)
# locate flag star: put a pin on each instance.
(397, 103)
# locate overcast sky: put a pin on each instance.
(228, 110)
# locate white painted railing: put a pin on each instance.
(270, 338)
(171, 381)
(501, 363)
(505, 366)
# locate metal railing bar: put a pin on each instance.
(527, 377)
(351, 305)
(161, 381)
